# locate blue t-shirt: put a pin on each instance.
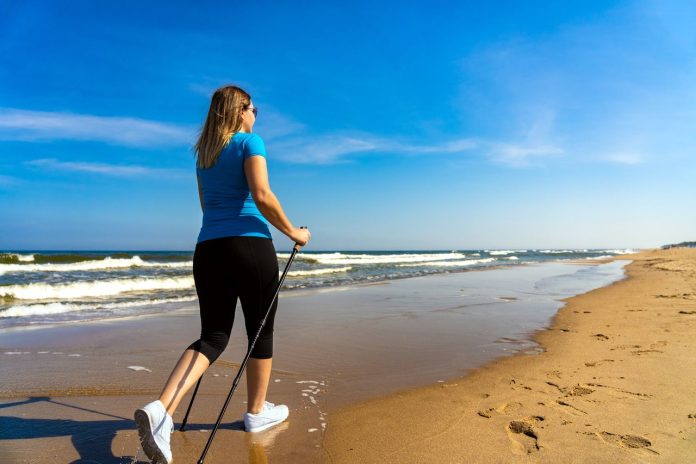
(228, 207)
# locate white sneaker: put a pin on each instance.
(269, 416)
(155, 428)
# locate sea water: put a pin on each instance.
(47, 287)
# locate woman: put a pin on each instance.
(234, 258)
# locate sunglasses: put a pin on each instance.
(254, 110)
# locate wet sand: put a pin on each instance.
(616, 383)
(68, 391)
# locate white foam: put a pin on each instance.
(139, 368)
(620, 252)
(40, 291)
(504, 252)
(347, 258)
(465, 262)
(93, 265)
(562, 251)
(331, 270)
(42, 309)
(513, 258)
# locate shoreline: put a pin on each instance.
(541, 407)
(308, 291)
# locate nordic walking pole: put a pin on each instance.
(188, 410)
(295, 249)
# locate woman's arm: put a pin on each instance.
(257, 178)
(200, 193)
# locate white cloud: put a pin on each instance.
(625, 158)
(336, 148)
(273, 124)
(616, 89)
(24, 125)
(341, 148)
(518, 156)
(106, 169)
(7, 181)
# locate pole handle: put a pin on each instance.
(297, 245)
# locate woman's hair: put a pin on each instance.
(224, 119)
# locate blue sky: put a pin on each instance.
(438, 125)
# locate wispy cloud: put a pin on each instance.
(7, 181)
(273, 124)
(106, 168)
(340, 147)
(625, 158)
(24, 125)
(617, 89)
(518, 156)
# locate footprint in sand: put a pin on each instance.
(626, 441)
(576, 390)
(682, 296)
(509, 408)
(641, 352)
(624, 347)
(523, 437)
(505, 408)
(569, 408)
(579, 390)
(600, 336)
(598, 363)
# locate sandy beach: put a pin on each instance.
(362, 369)
(616, 383)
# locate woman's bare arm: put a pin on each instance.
(257, 177)
(200, 193)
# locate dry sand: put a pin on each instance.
(616, 384)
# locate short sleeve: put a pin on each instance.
(254, 146)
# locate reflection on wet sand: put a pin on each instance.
(260, 443)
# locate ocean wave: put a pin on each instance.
(93, 265)
(97, 288)
(44, 309)
(16, 258)
(514, 258)
(553, 252)
(626, 251)
(585, 250)
(312, 272)
(504, 252)
(366, 259)
(466, 262)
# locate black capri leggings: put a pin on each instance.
(227, 268)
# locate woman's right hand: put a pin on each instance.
(300, 236)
